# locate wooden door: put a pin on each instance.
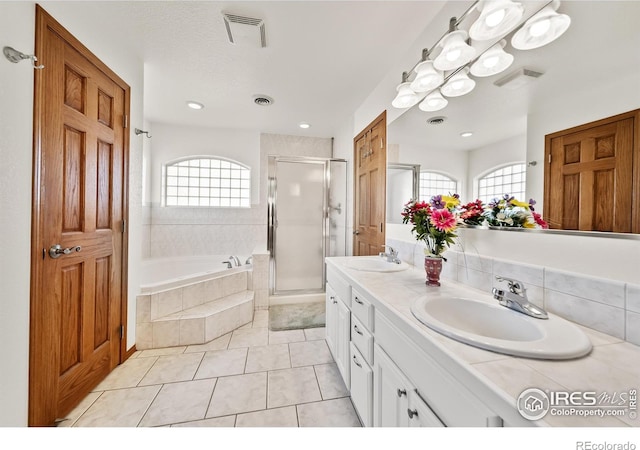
(589, 177)
(78, 295)
(370, 156)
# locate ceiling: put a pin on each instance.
(600, 47)
(321, 61)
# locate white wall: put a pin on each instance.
(17, 29)
(620, 94)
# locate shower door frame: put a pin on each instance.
(272, 215)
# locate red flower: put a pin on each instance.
(443, 220)
(539, 220)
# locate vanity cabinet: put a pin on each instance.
(396, 401)
(338, 331)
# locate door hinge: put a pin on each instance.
(125, 121)
(549, 158)
(121, 332)
(124, 226)
(380, 227)
(381, 143)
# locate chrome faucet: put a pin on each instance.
(392, 256)
(235, 259)
(516, 298)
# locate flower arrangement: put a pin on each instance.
(509, 212)
(435, 222)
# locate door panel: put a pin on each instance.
(370, 155)
(588, 181)
(78, 299)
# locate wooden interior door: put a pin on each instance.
(589, 177)
(370, 156)
(78, 289)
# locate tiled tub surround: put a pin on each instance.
(195, 313)
(609, 306)
(498, 379)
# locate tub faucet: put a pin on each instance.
(392, 256)
(228, 263)
(516, 298)
(236, 261)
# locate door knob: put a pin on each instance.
(56, 251)
(356, 232)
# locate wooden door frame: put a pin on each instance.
(45, 22)
(374, 122)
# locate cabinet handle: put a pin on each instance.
(412, 412)
(355, 328)
(359, 301)
(402, 392)
(333, 299)
(356, 361)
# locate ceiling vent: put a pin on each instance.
(262, 100)
(438, 120)
(245, 30)
(518, 78)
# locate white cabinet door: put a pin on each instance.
(419, 414)
(361, 386)
(391, 390)
(331, 320)
(343, 338)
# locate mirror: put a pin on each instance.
(402, 184)
(589, 73)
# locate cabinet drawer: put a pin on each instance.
(341, 288)
(362, 339)
(362, 309)
(361, 387)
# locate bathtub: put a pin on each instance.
(162, 274)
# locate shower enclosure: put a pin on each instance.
(306, 221)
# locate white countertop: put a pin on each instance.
(612, 367)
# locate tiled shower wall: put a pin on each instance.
(609, 306)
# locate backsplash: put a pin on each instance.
(608, 306)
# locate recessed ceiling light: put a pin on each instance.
(194, 105)
(304, 125)
(466, 134)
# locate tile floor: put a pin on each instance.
(252, 377)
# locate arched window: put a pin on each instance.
(207, 181)
(505, 180)
(434, 183)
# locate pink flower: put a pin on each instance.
(540, 221)
(443, 220)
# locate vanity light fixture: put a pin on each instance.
(433, 102)
(497, 18)
(406, 97)
(493, 61)
(541, 29)
(427, 78)
(459, 84)
(455, 50)
(195, 105)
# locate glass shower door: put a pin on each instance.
(299, 226)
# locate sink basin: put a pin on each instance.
(493, 327)
(375, 264)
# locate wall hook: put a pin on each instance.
(139, 131)
(15, 56)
